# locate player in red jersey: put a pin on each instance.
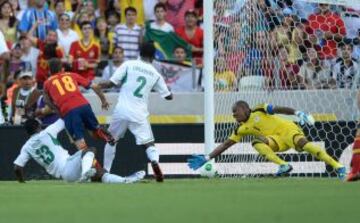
(62, 93)
(354, 174)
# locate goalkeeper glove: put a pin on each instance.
(305, 118)
(196, 161)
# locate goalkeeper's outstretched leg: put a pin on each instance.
(266, 147)
(303, 144)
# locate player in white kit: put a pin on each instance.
(46, 150)
(137, 79)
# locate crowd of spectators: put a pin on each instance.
(91, 37)
(267, 44)
(286, 45)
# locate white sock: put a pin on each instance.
(112, 178)
(109, 156)
(153, 154)
(87, 162)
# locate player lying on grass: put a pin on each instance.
(46, 150)
(62, 94)
(271, 134)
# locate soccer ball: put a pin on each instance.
(208, 169)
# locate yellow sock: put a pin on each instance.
(321, 155)
(266, 151)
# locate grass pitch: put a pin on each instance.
(184, 201)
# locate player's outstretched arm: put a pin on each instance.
(49, 102)
(303, 116)
(100, 94)
(196, 161)
(19, 173)
(106, 84)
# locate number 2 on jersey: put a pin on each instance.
(66, 84)
(137, 91)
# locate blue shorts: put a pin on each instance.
(76, 119)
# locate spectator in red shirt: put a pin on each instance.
(47, 50)
(85, 53)
(176, 10)
(62, 94)
(192, 34)
(326, 30)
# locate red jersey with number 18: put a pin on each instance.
(63, 89)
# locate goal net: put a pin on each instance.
(299, 54)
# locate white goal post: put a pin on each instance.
(248, 49)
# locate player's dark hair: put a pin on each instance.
(179, 47)
(160, 5)
(147, 50)
(130, 9)
(85, 23)
(55, 65)
(117, 47)
(32, 126)
(243, 104)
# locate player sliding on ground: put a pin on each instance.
(137, 79)
(46, 150)
(271, 134)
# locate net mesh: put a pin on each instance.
(297, 54)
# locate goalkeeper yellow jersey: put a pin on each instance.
(262, 123)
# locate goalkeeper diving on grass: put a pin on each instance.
(272, 134)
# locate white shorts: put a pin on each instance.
(141, 130)
(72, 169)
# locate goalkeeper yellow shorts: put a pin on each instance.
(286, 139)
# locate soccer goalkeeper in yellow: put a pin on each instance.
(271, 134)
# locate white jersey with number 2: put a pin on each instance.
(46, 150)
(137, 79)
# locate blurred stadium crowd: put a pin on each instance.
(261, 45)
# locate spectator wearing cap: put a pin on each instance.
(160, 23)
(66, 35)
(8, 22)
(45, 18)
(129, 35)
(193, 35)
(24, 98)
(346, 71)
(326, 30)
